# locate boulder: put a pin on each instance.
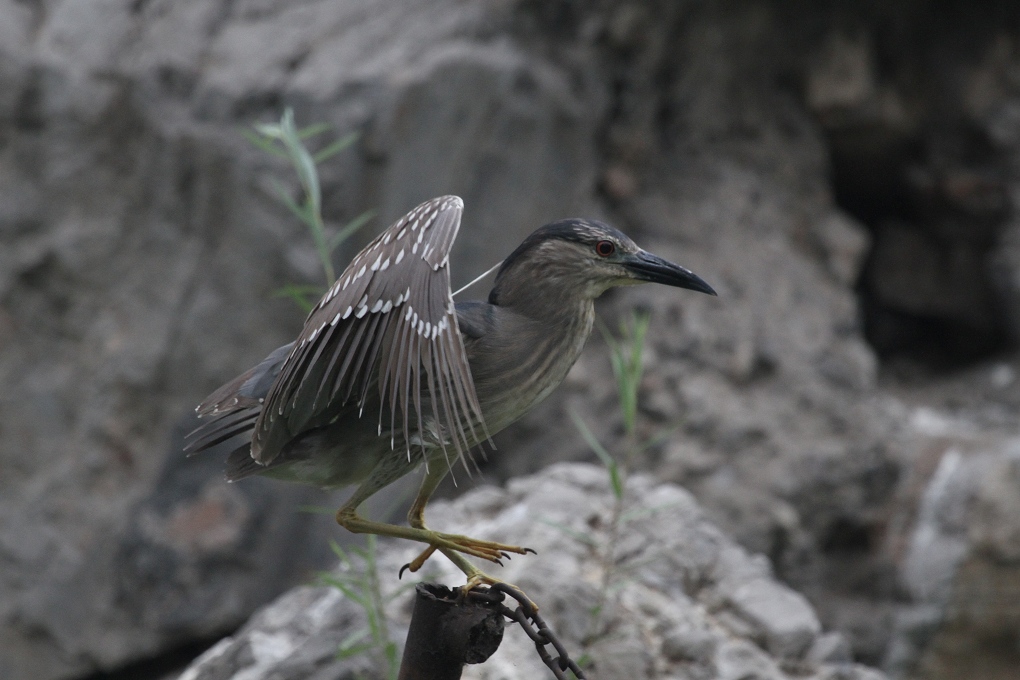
(670, 596)
(141, 242)
(818, 167)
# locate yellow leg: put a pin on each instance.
(476, 577)
(495, 552)
(487, 550)
(450, 544)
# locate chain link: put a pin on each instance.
(527, 616)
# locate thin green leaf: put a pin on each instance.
(573, 533)
(354, 651)
(312, 130)
(626, 358)
(360, 552)
(616, 480)
(300, 211)
(390, 650)
(348, 229)
(269, 130)
(349, 646)
(336, 147)
(661, 436)
(305, 299)
(592, 440)
(348, 591)
(301, 159)
(614, 469)
(311, 212)
(263, 143)
(340, 552)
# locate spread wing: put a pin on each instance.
(390, 315)
(235, 407)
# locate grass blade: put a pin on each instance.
(336, 147)
(349, 229)
(607, 459)
(312, 130)
(573, 533)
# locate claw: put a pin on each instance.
(400, 574)
(478, 578)
(419, 561)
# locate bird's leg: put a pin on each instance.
(475, 577)
(416, 518)
(348, 518)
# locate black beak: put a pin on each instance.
(654, 269)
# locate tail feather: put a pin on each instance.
(227, 426)
(240, 464)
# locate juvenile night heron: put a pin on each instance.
(389, 372)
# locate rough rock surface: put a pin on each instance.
(140, 245)
(681, 600)
(955, 535)
(846, 176)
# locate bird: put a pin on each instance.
(389, 373)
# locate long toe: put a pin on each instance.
(418, 562)
(485, 550)
(491, 547)
(480, 578)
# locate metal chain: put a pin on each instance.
(533, 625)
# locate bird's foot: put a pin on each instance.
(475, 576)
(487, 550)
(480, 578)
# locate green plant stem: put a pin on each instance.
(377, 611)
(360, 585)
(285, 140)
(626, 356)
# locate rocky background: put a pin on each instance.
(844, 173)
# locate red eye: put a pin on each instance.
(605, 248)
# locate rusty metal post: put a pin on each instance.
(447, 631)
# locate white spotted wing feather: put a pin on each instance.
(389, 316)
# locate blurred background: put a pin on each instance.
(844, 173)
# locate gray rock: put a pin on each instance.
(739, 659)
(661, 593)
(141, 242)
(783, 618)
(831, 647)
(689, 645)
(140, 245)
(960, 566)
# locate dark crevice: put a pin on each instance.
(920, 171)
(164, 664)
(29, 111)
(847, 536)
(935, 207)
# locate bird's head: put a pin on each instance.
(584, 258)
